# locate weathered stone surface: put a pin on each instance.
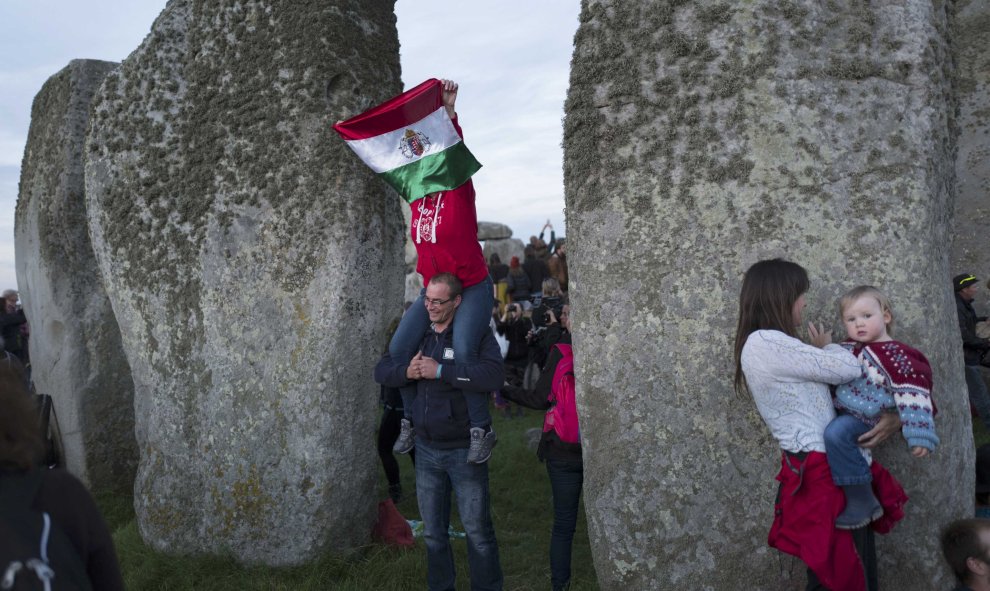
(493, 231)
(699, 138)
(409, 249)
(414, 285)
(970, 253)
(253, 262)
(505, 248)
(76, 352)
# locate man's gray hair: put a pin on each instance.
(451, 281)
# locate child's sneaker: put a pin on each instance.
(406, 440)
(481, 445)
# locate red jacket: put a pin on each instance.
(804, 519)
(445, 231)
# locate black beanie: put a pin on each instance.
(961, 281)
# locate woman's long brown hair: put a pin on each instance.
(20, 429)
(766, 302)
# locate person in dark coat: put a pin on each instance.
(514, 326)
(496, 268)
(519, 287)
(536, 270)
(974, 346)
(13, 326)
(57, 493)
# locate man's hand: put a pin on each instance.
(819, 338)
(422, 368)
(449, 96)
(890, 423)
(412, 371)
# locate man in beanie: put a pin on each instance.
(974, 347)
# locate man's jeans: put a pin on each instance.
(845, 459)
(438, 471)
(566, 478)
(471, 321)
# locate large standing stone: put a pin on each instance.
(413, 286)
(505, 248)
(76, 352)
(253, 263)
(970, 252)
(493, 231)
(699, 138)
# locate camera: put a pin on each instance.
(557, 310)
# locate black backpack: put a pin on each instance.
(34, 552)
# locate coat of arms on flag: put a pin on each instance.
(411, 143)
(414, 144)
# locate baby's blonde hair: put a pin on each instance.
(869, 291)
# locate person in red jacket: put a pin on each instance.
(445, 232)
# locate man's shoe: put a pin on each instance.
(862, 507)
(481, 445)
(406, 440)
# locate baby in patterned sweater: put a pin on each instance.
(895, 377)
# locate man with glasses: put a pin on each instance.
(444, 438)
(966, 546)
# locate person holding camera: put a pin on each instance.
(541, 340)
(514, 326)
(544, 315)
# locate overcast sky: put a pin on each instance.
(510, 57)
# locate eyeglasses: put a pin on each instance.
(431, 303)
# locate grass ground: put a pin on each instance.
(521, 508)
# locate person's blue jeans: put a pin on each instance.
(845, 460)
(566, 479)
(438, 471)
(472, 319)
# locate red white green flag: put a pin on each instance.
(411, 143)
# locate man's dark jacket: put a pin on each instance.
(439, 413)
(973, 346)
